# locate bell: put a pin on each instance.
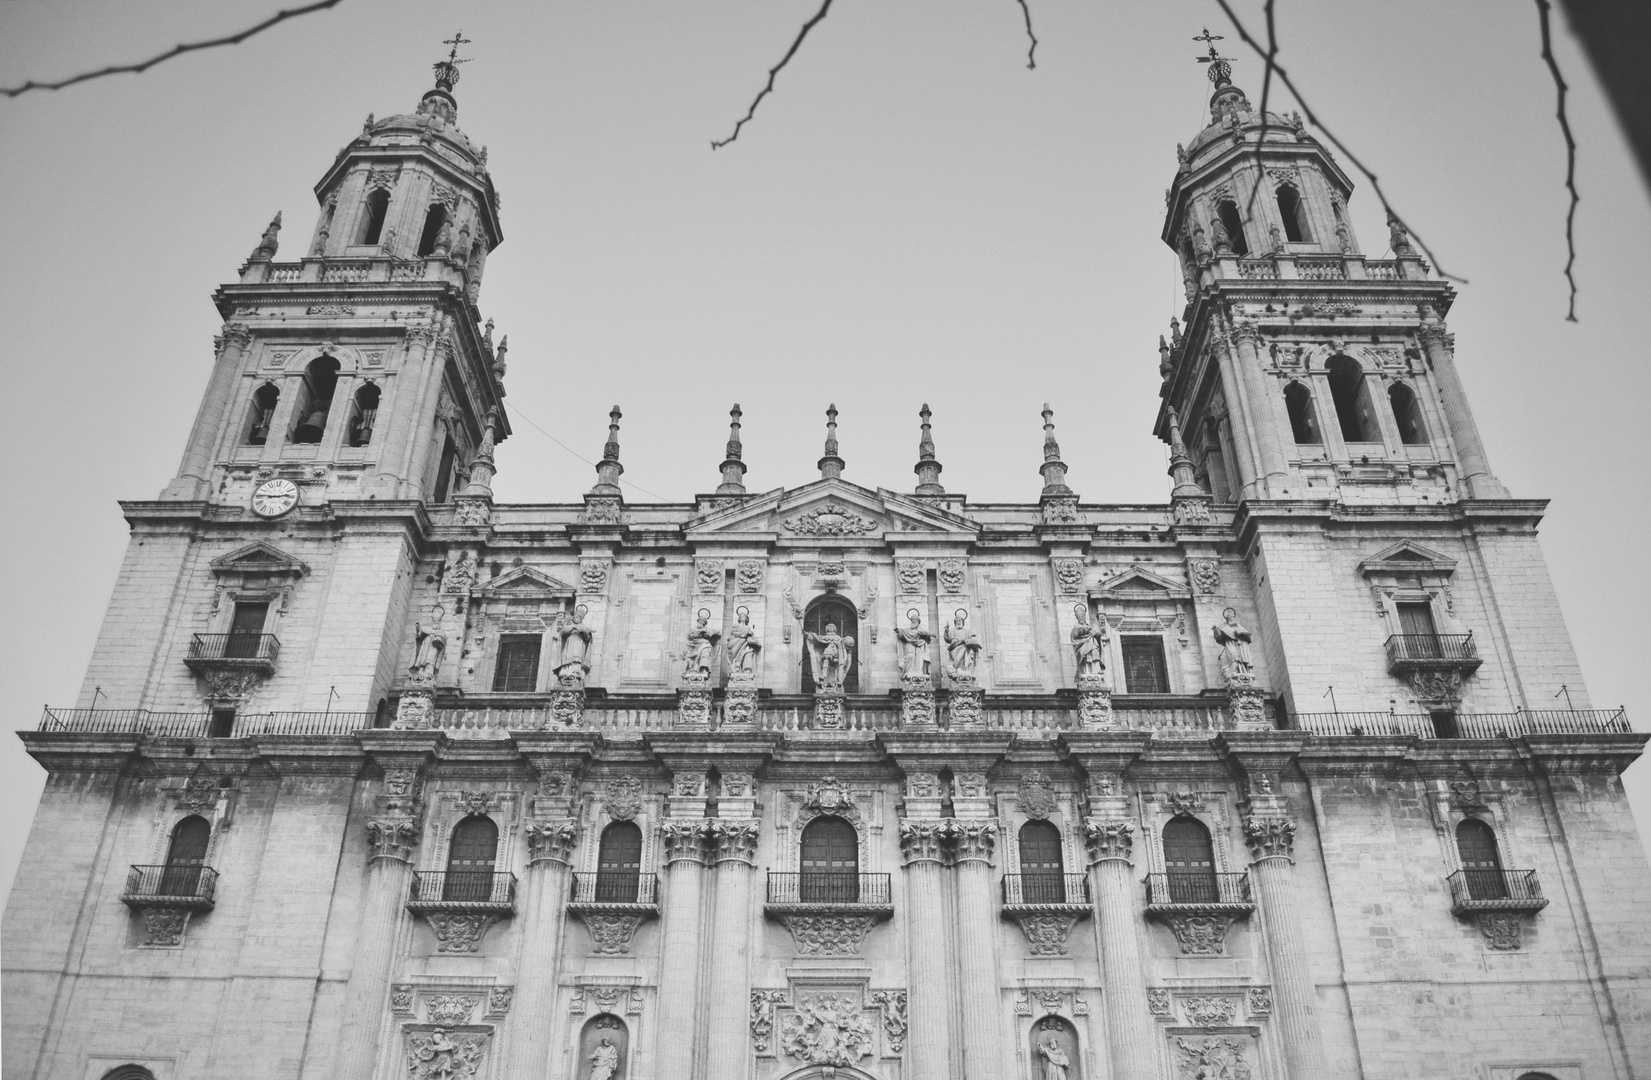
(310, 430)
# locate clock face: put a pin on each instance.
(273, 498)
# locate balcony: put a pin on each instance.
(455, 892)
(614, 892)
(1046, 892)
(1509, 725)
(1407, 653)
(1476, 891)
(828, 914)
(1198, 894)
(233, 652)
(200, 725)
(187, 887)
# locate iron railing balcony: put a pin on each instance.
(217, 652)
(1432, 652)
(1495, 890)
(616, 890)
(177, 886)
(1046, 890)
(462, 890)
(1193, 893)
(847, 890)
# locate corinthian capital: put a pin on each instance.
(684, 840)
(394, 837)
(236, 335)
(974, 840)
(1108, 838)
(734, 841)
(1245, 330)
(551, 841)
(922, 841)
(1269, 836)
(1434, 334)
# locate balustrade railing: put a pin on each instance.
(1197, 889)
(1491, 890)
(182, 885)
(614, 887)
(342, 271)
(1321, 269)
(1050, 888)
(463, 887)
(264, 647)
(1381, 270)
(286, 271)
(1258, 269)
(825, 887)
(1431, 649)
(1499, 725)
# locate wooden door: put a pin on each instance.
(619, 864)
(470, 859)
(830, 862)
(1041, 867)
(1189, 860)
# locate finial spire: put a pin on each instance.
(268, 243)
(608, 469)
(927, 467)
(1221, 67)
(1180, 462)
(733, 469)
(482, 469)
(447, 71)
(831, 466)
(1053, 469)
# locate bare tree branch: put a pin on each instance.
(232, 39)
(1375, 184)
(1266, 90)
(773, 71)
(1570, 155)
(1031, 53)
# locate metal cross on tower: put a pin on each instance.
(447, 71)
(1221, 67)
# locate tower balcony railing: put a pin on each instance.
(614, 891)
(1308, 269)
(1495, 890)
(1495, 725)
(218, 652)
(199, 724)
(1176, 893)
(173, 885)
(847, 889)
(1045, 890)
(462, 891)
(1413, 652)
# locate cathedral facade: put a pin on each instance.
(375, 778)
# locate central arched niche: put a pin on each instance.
(608, 1028)
(1064, 1037)
(828, 1072)
(836, 611)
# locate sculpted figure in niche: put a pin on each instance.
(701, 640)
(1089, 643)
(743, 645)
(1054, 1059)
(575, 636)
(604, 1061)
(914, 646)
(831, 654)
(962, 646)
(1234, 639)
(429, 646)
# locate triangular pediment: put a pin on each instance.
(830, 510)
(259, 558)
(1407, 557)
(1140, 582)
(526, 581)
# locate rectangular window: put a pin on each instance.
(517, 667)
(223, 724)
(1444, 724)
(1145, 671)
(246, 626)
(1421, 637)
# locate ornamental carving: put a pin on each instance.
(1112, 838)
(922, 841)
(457, 933)
(1213, 1057)
(401, 999)
(163, 927)
(600, 511)
(683, 840)
(1200, 935)
(951, 575)
(471, 512)
(829, 569)
(330, 309)
(1260, 1000)
(831, 519)
(199, 793)
(1192, 510)
(688, 785)
(461, 575)
(917, 703)
(693, 707)
(893, 1004)
(475, 802)
(974, 840)
(911, 576)
(622, 797)
(610, 934)
(392, 838)
(1249, 707)
(1269, 837)
(1158, 1003)
(567, 702)
(970, 785)
(1500, 929)
(382, 178)
(1094, 702)
(964, 708)
(749, 577)
(1206, 574)
(828, 1029)
(438, 1055)
(551, 841)
(828, 935)
(499, 999)
(922, 785)
(738, 785)
(763, 1004)
(554, 783)
(708, 575)
(828, 794)
(1210, 1011)
(734, 841)
(231, 683)
(1436, 686)
(740, 706)
(1069, 575)
(1046, 935)
(450, 1008)
(1060, 511)
(1036, 798)
(593, 575)
(1183, 803)
(1464, 795)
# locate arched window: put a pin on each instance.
(470, 857)
(185, 856)
(1228, 212)
(382, 715)
(137, 1072)
(1407, 413)
(1481, 862)
(264, 400)
(1041, 868)
(1189, 862)
(445, 467)
(364, 414)
(1535, 1076)
(314, 400)
(1304, 424)
(830, 862)
(1352, 400)
(619, 864)
(433, 221)
(1294, 213)
(372, 222)
(837, 612)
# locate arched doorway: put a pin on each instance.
(1041, 865)
(1189, 862)
(838, 612)
(470, 859)
(619, 864)
(830, 862)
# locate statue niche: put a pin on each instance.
(831, 611)
(604, 1049)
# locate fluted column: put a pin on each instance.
(1131, 1037)
(734, 850)
(983, 1044)
(1261, 410)
(1470, 449)
(928, 1044)
(1239, 435)
(1270, 833)
(550, 846)
(683, 840)
(196, 467)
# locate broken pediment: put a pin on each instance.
(1140, 583)
(830, 510)
(1407, 557)
(525, 581)
(259, 559)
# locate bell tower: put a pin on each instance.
(363, 369)
(1305, 369)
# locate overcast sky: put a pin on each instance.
(912, 216)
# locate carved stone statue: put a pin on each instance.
(832, 654)
(743, 646)
(1234, 639)
(429, 646)
(914, 646)
(574, 659)
(962, 646)
(701, 640)
(1054, 1059)
(1089, 643)
(604, 1060)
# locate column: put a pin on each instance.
(683, 840)
(1270, 833)
(734, 850)
(550, 844)
(1261, 411)
(1470, 449)
(1131, 1034)
(211, 417)
(1239, 436)
(983, 1045)
(928, 1043)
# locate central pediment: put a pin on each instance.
(831, 510)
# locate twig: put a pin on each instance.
(1570, 155)
(1266, 90)
(233, 39)
(773, 71)
(1031, 53)
(1375, 184)
(574, 452)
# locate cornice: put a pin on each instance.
(75, 751)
